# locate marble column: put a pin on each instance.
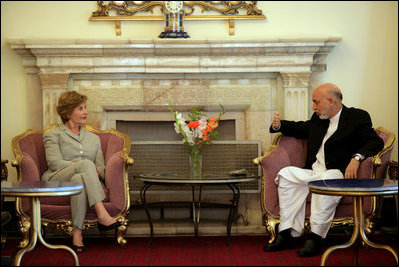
(53, 85)
(296, 85)
(34, 93)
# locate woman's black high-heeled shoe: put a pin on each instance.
(103, 227)
(78, 249)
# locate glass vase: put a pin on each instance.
(195, 162)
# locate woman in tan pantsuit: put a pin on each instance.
(74, 154)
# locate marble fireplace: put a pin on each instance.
(135, 80)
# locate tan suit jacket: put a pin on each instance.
(63, 147)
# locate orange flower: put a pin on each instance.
(213, 123)
(193, 124)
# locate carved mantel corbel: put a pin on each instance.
(296, 85)
(54, 80)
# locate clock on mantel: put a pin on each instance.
(173, 20)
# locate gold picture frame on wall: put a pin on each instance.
(118, 11)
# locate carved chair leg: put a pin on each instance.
(121, 231)
(120, 235)
(24, 226)
(271, 228)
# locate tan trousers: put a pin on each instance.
(82, 172)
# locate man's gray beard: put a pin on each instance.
(323, 117)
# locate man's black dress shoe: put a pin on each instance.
(103, 227)
(280, 243)
(311, 248)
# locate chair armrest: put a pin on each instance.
(273, 146)
(366, 168)
(284, 151)
(125, 155)
(271, 164)
(370, 167)
(275, 161)
(116, 179)
(16, 163)
(381, 159)
(26, 168)
(114, 172)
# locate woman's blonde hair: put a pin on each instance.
(67, 102)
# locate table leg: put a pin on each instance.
(142, 197)
(358, 228)
(17, 256)
(35, 232)
(351, 241)
(233, 210)
(364, 237)
(196, 204)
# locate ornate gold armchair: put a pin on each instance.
(289, 151)
(30, 162)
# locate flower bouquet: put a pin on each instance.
(198, 131)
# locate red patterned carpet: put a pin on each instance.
(198, 251)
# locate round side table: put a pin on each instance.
(35, 190)
(357, 188)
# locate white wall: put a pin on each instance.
(364, 64)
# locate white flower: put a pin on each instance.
(177, 127)
(187, 133)
(198, 131)
(190, 137)
(180, 119)
(185, 128)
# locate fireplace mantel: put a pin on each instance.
(57, 62)
(91, 56)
